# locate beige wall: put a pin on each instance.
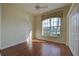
(38, 27)
(16, 25)
(0, 25)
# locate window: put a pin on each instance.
(51, 27)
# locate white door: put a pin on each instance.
(74, 30)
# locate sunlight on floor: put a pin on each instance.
(29, 40)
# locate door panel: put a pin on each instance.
(74, 30)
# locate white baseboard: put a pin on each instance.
(22, 42)
(54, 41)
(11, 45)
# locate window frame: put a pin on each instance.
(58, 35)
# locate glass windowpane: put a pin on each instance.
(51, 27)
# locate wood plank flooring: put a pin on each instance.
(0, 52)
(38, 48)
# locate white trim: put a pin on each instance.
(54, 41)
(12, 45)
(69, 12)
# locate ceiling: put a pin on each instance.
(30, 7)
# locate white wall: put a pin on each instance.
(0, 26)
(16, 25)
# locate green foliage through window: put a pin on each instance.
(51, 27)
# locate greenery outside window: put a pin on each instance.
(51, 27)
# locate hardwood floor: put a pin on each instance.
(38, 48)
(0, 52)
